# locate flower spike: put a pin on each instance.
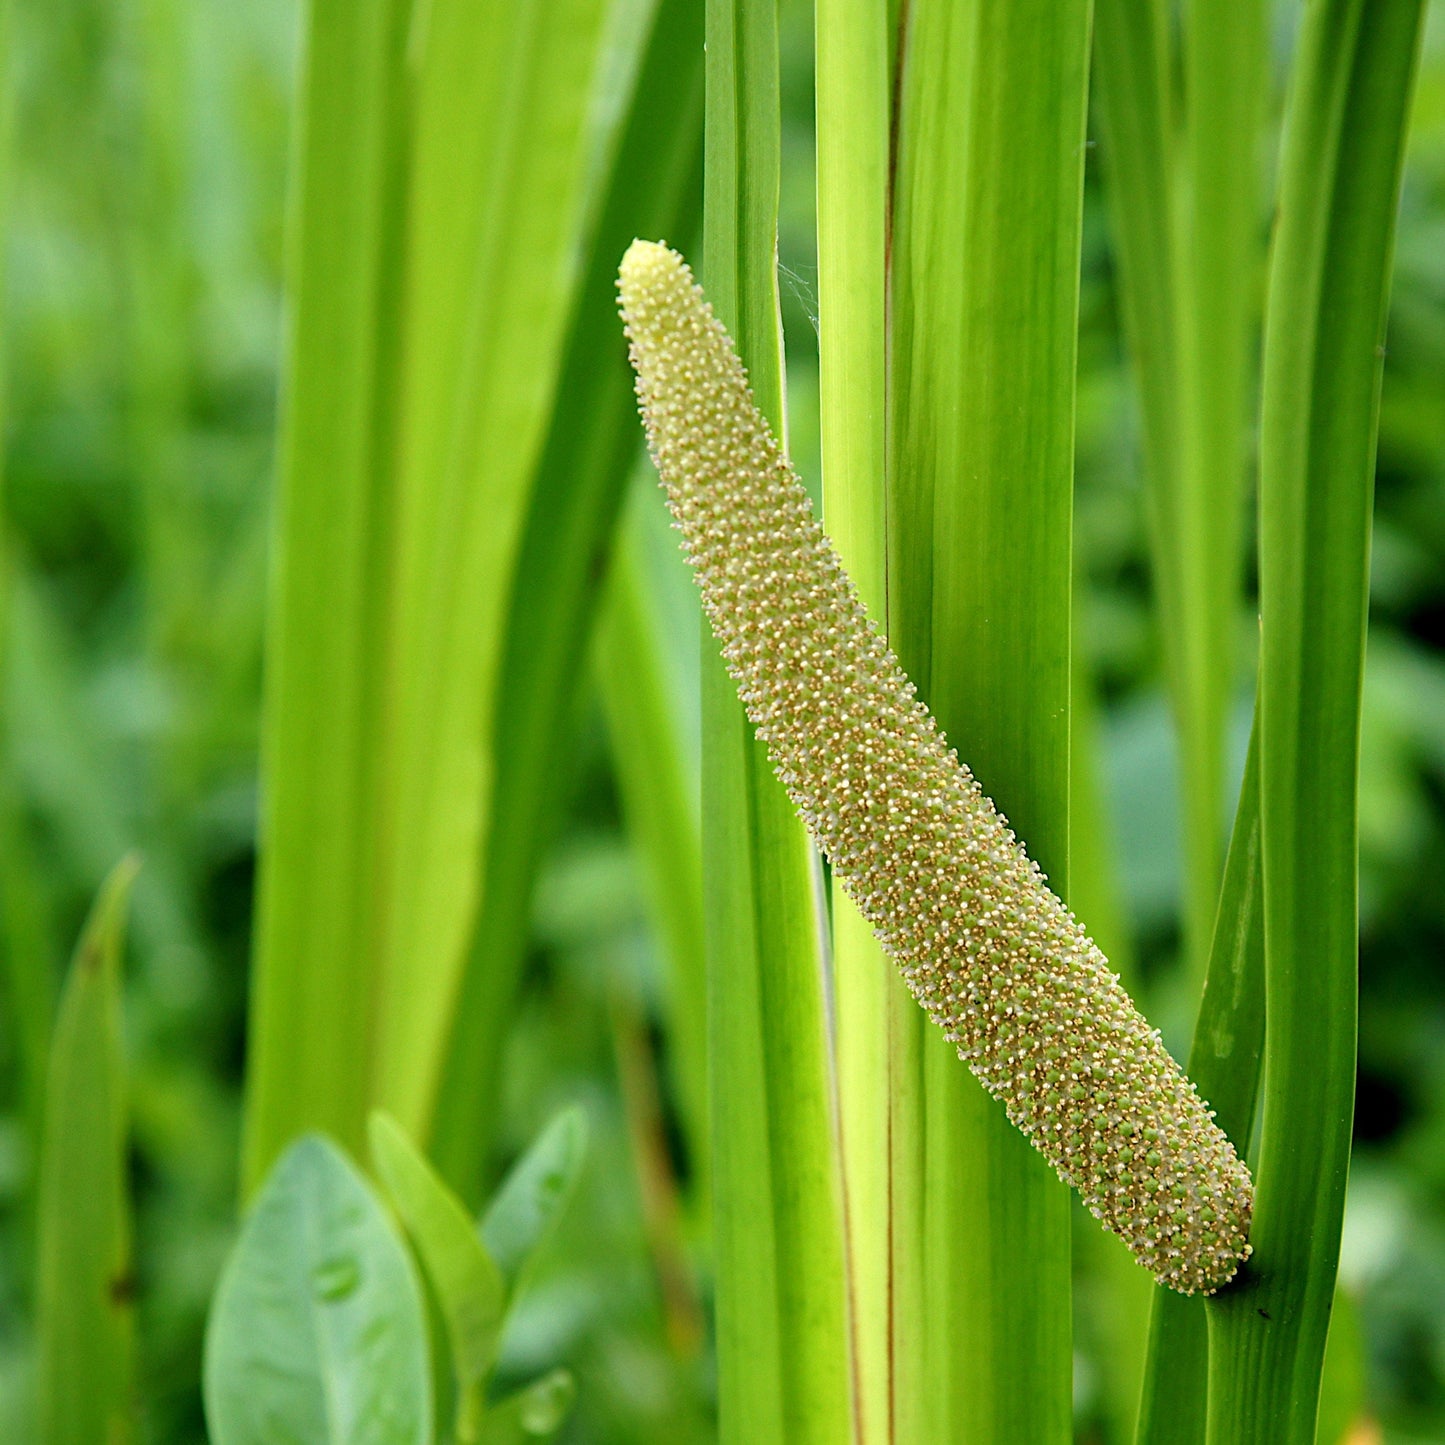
(987, 948)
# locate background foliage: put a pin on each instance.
(142, 308)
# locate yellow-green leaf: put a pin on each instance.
(467, 1284)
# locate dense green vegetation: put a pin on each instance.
(313, 383)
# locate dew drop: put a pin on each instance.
(336, 1278)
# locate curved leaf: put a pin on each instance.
(84, 1288)
(532, 1195)
(467, 1284)
(317, 1332)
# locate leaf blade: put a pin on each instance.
(317, 1332)
(525, 1208)
(465, 1280)
(781, 1301)
(83, 1260)
(1329, 277)
(980, 577)
(590, 451)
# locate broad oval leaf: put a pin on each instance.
(317, 1333)
(533, 1194)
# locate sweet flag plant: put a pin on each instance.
(987, 948)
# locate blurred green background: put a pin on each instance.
(142, 308)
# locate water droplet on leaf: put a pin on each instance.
(336, 1278)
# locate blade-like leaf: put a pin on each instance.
(1185, 198)
(466, 1283)
(317, 1334)
(1343, 149)
(986, 222)
(781, 1297)
(591, 449)
(495, 211)
(1225, 1064)
(1221, 265)
(84, 1283)
(853, 102)
(436, 205)
(661, 814)
(314, 954)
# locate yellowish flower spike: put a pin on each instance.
(986, 947)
